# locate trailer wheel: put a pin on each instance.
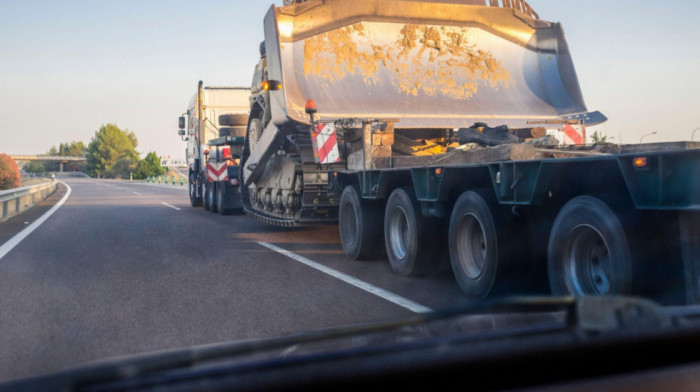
(409, 236)
(591, 251)
(221, 200)
(480, 248)
(359, 222)
(211, 196)
(233, 120)
(195, 199)
(205, 195)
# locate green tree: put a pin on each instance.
(77, 149)
(121, 168)
(9, 173)
(109, 145)
(68, 149)
(34, 167)
(149, 166)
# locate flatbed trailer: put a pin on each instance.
(589, 223)
(399, 152)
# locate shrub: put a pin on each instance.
(9, 172)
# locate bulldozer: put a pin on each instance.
(354, 85)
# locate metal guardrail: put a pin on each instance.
(15, 201)
(54, 174)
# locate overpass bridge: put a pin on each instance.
(48, 158)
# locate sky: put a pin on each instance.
(67, 67)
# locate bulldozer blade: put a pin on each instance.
(430, 64)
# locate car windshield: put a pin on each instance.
(391, 159)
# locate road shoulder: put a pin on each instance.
(14, 225)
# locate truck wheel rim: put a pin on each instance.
(587, 264)
(471, 246)
(348, 224)
(400, 233)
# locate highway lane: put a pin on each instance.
(124, 268)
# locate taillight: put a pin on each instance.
(640, 162)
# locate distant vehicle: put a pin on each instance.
(215, 126)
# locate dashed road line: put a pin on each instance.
(171, 206)
(389, 296)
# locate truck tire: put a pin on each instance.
(195, 199)
(205, 195)
(233, 120)
(360, 225)
(409, 237)
(221, 207)
(232, 131)
(481, 246)
(211, 196)
(593, 249)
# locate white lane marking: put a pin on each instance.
(139, 183)
(173, 207)
(14, 241)
(176, 187)
(389, 296)
(136, 193)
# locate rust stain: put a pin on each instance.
(424, 59)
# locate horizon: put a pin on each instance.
(70, 67)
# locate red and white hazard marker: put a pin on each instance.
(326, 143)
(574, 134)
(217, 171)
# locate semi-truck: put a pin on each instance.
(425, 130)
(214, 127)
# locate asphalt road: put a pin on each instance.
(125, 268)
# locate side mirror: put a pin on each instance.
(181, 132)
(182, 124)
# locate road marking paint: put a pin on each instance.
(176, 187)
(14, 241)
(173, 207)
(136, 193)
(389, 296)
